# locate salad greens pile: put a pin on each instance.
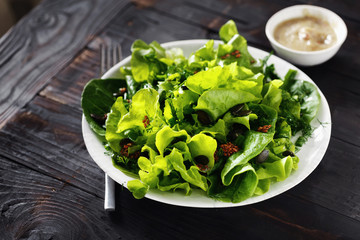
(219, 121)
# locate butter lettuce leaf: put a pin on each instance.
(242, 187)
(205, 80)
(216, 102)
(117, 111)
(204, 145)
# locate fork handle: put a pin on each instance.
(109, 202)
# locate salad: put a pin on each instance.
(219, 120)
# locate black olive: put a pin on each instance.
(236, 130)
(288, 153)
(238, 111)
(201, 159)
(100, 119)
(263, 156)
(243, 113)
(237, 108)
(203, 117)
(144, 154)
(125, 141)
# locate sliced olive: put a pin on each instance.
(288, 153)
(100, 119)
(235, 131)
(203, 117)
(237, 108)
(263, 156)
(201, 159)
(145, 154)
(125, 141)
(242, 113)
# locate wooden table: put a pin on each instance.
(50, 188)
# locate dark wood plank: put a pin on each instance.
(343, 95)
(346, 9)
(35, 206)
(43, 42)
(335, 184)
(283, 217)
(66, 87)
(132, 23)
(46, 136)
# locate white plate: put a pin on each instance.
(310, 155)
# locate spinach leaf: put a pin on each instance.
(254, 143)
(97, 98)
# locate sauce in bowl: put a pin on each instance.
(306, 33)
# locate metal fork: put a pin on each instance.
(110, 55)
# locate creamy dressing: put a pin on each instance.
(305, 34)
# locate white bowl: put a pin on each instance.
(306, 58)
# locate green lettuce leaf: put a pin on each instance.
(216, 102)
(273, 96)
(117, 111)
(279, 170)
(228, 30)
(253, 84)
(191, 175)
(202, 144)
(144, 103)
(137, 188)
(254, 143)
(145, 64)
(205, 80)
(242, 187)
(167, 135)
(206, 52)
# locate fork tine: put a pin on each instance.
(109, 57)
(102, 59)
(119, 52)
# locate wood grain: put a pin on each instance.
(35, 206)
(43, 42)
(46, 137)
(66, 86)
(51, 189)
(335, 184)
